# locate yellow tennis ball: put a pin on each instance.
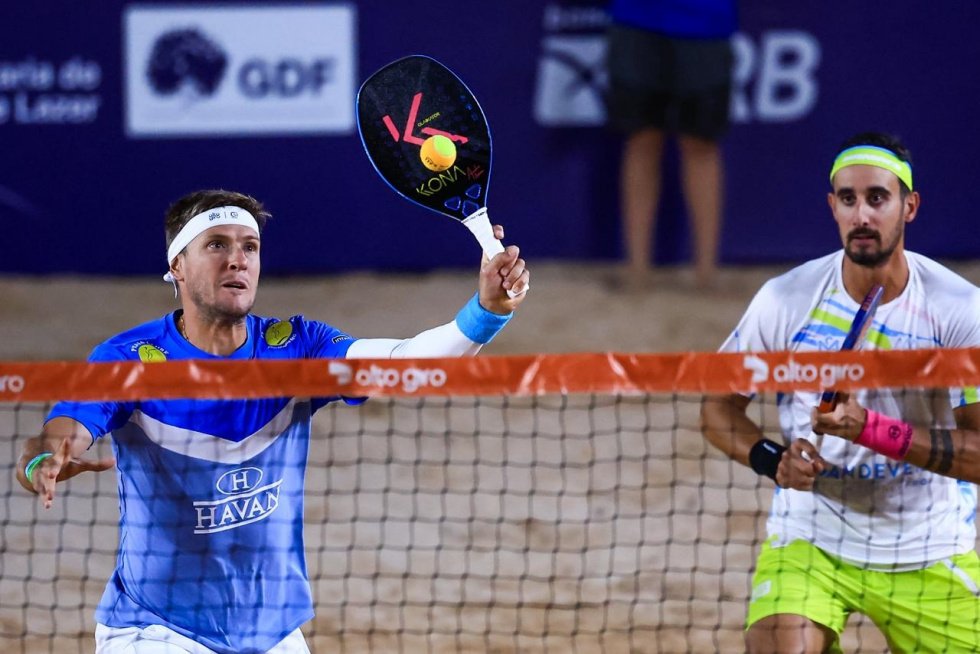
(438, 153)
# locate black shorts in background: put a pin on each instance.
(680, 86)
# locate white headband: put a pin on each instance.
(204, 221)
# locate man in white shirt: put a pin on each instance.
(875, 505)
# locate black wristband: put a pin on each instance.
(764, 457)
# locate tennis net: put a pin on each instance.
(545, 503)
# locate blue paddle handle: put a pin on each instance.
(865, 313)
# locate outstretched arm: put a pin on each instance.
(949, 452)
(476, 323)
(53, 456)
(726, 425)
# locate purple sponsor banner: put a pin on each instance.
(102, 127)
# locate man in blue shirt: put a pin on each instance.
(211, 555)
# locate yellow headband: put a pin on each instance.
(870, 155)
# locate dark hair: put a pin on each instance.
(886, 141)
(181, 211)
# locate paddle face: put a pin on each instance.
(855, 336)
(402, 105)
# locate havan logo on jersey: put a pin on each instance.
(245, 502)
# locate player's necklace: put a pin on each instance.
(180, 327)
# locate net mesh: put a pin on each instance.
(529, 521)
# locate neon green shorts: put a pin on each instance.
(932, 610)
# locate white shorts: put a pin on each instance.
(157, 639)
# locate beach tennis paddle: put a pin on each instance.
(855, 337)
(426, 135)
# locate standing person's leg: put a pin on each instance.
(702, 175)
(639, 74)
(639, 194)
(704, 80)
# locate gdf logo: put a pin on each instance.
(828, 374)
(220, 69)
(11, 384)
(188, 61)
(286, 78)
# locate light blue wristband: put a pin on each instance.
(33, 463)
(478, 324)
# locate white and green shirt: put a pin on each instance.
(866, 508)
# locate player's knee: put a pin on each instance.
(785, 634)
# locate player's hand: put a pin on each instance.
(799, 466)
(58, 467)
(845, 420)
(505, 272)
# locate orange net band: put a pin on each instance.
(490, 375)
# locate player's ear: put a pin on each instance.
(176, 268)
(912, 203)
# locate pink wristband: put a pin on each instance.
(886, 435)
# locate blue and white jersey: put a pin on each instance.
(211, 494)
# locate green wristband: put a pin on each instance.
(33, 463)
